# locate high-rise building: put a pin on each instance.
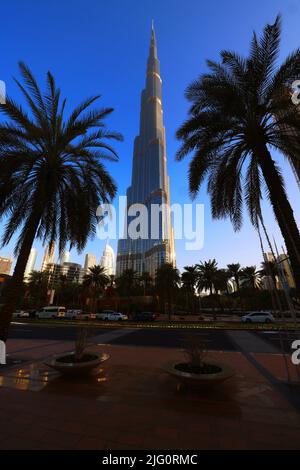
(48, 257)
(73, 272)
(65, 257)
(284, 269)
(284, 262)
(90, 260)
(5, 265)
(30, 263)
(149, 181)
(107, 260)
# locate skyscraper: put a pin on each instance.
(149, 181)
(108, 260)
(30, 263)
(48, 257)
(90, 260)
(65, 257)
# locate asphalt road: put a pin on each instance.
(213, 339)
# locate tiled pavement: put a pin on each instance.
(133, 404)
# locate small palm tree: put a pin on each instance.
(207, 275)
(52, 177)
(189, 279)
(270, 268)
(167, 280)
(96, 280)
(37, 284)
(240, 111)
(146, 280)
(251, 277)
(127, 281)
(221, 280)
(235, 271)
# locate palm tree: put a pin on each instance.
(251, 277)
(96, 280)
(167, 280)
(189, 279)
(37, 284)
(270, 268)
(207, 272)
(127, 281)
(146, 280)
(52, 178)
(221, 280)
(241, 110)
(234, 269)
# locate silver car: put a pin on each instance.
(258, 317)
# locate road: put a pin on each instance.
(213, 339)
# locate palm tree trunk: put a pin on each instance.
(13, 289)
(283, 212)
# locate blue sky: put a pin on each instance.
(101, 47)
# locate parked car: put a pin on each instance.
(77, 314)
(144, 316)
(258, 317)
(117, 316)
(110, 315)
(104, 314)
(21, 314)
(51, 312)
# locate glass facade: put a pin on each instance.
(149, 181)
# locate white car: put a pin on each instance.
(77, 315)
(110, 315)
(104, 314)
(258, 317)
(117, 316)
(21, 314)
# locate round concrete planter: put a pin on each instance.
(200, 380)
(76, 368)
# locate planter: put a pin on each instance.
(218, 372)
(65, 364)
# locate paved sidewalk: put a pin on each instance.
(133, 404)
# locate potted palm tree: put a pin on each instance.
(80, 362)
(195, 370)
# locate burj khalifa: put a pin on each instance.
(150, 184)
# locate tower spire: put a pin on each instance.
(153, 47)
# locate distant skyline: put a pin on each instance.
(96, 47)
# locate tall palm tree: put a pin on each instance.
(241, 110)
(96, 280)
(167, 279)
(207, 275)
(234, 269)
(251, 277)
(52, 177)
